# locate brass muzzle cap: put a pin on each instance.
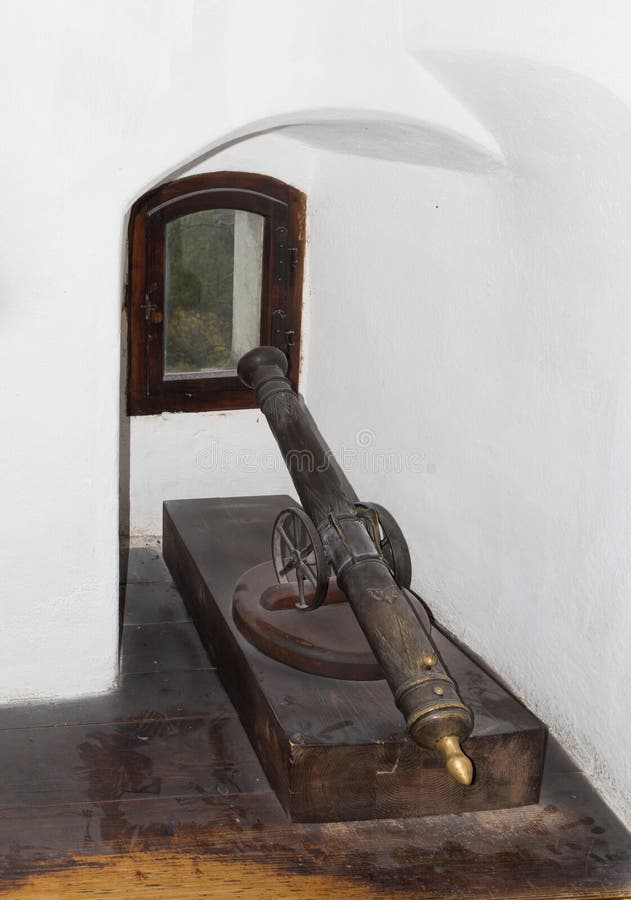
(457, 764)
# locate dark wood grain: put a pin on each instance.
(156, 757)
(568, 846)
(128, 824)
(161, 695)
(162, 648)
(333, 749)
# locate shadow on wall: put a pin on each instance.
(370, 133)
(567, 142)
(413, 143)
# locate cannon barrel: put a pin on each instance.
(435, 716)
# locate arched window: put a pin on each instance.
(215, 268)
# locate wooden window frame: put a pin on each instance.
(283, 208)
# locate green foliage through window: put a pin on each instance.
(199, 291)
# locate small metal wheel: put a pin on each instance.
(298, 555)
(389, 540)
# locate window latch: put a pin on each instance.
(152, 313)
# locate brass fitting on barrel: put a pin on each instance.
(437, 719)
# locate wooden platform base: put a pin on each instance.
(335, 750)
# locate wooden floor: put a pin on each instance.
(154, 791)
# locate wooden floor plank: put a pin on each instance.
(155, 695)
(566, 847)
(145, 565)
(120, 826)
(162, 648)
(153, 758)
(557, 761)
(180, 878)
(149, 604)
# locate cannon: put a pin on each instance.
(364, 548)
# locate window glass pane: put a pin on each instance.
(212, 302)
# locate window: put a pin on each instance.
(215, 269)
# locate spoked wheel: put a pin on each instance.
(298, 556)
(389, 541)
